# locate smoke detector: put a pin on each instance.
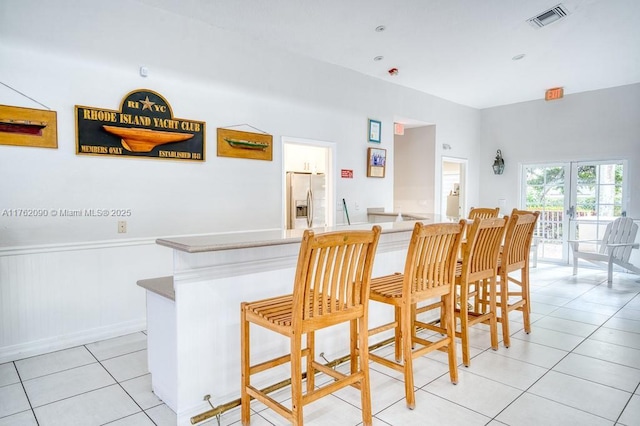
(549, 16)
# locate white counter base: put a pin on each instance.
(194, 340)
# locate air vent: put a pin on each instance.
(549, 16)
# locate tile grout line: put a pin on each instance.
(569, 353)
(486, 350)
(617, 297)
(121, 387)
(25, 393)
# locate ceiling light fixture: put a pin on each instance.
(380, 28)
(378, 58)
(518, 57)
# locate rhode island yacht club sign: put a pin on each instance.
(144, 127)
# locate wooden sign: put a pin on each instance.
(144, 127)
(28, 127)
(235, 143)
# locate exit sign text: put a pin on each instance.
(553, 94)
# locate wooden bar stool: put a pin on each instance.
(331, 287)
(428, 273)
(476, 272)
(515, 256)
(483, 212)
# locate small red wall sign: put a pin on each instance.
(346, 174)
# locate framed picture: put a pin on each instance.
(239, 144)
(374, 130)
(376, 162)
(28, 127)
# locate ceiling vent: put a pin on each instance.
(549, 16)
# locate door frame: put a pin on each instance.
(569, 223)
(464, 165)
(330, 181)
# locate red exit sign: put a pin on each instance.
(553, 94)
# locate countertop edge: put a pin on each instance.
(176, 244)
(162, 286)
(220, 247)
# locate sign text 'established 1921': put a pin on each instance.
(144, 127)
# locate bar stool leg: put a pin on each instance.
(398, 334)
(407, 354)
(449, 318)
(245, 359)
(504, 309)
(296, 380)
(493, 321)
(311, 354)
(526, 309)
(365, 384)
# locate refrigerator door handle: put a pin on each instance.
(309, 208)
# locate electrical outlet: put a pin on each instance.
(122, 227)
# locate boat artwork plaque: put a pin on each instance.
(236, 143)
(28, 127)
(144, 127)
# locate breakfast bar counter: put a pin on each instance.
(193, 316)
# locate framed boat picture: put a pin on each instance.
(239, 144)
(376, 162)
(28, 127)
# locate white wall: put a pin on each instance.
(72, 52)
(414, 164)
(596, 125)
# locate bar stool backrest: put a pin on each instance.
(333, 277)
(431, 259)
(483, 212)
(517, 242)
(480, 254)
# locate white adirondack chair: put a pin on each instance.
(614, 248)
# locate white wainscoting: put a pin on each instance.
(59, 296)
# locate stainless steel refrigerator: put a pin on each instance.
(306, 201)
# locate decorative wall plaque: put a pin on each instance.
(235, 143)
(28, 127)
(144, 127)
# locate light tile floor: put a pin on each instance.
(580, 365)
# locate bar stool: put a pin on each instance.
(476, 271)
(331, 287)
(483, 212)
(514, 256)
(428, 273)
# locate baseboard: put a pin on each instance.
(52, 344)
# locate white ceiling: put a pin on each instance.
(459, 50)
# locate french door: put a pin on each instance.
(576, 200)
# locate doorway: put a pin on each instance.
(453, 197)
(414, 169)
(576, 200)
(316, 159)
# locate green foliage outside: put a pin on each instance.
(599, 189)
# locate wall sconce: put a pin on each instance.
(498, 164)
